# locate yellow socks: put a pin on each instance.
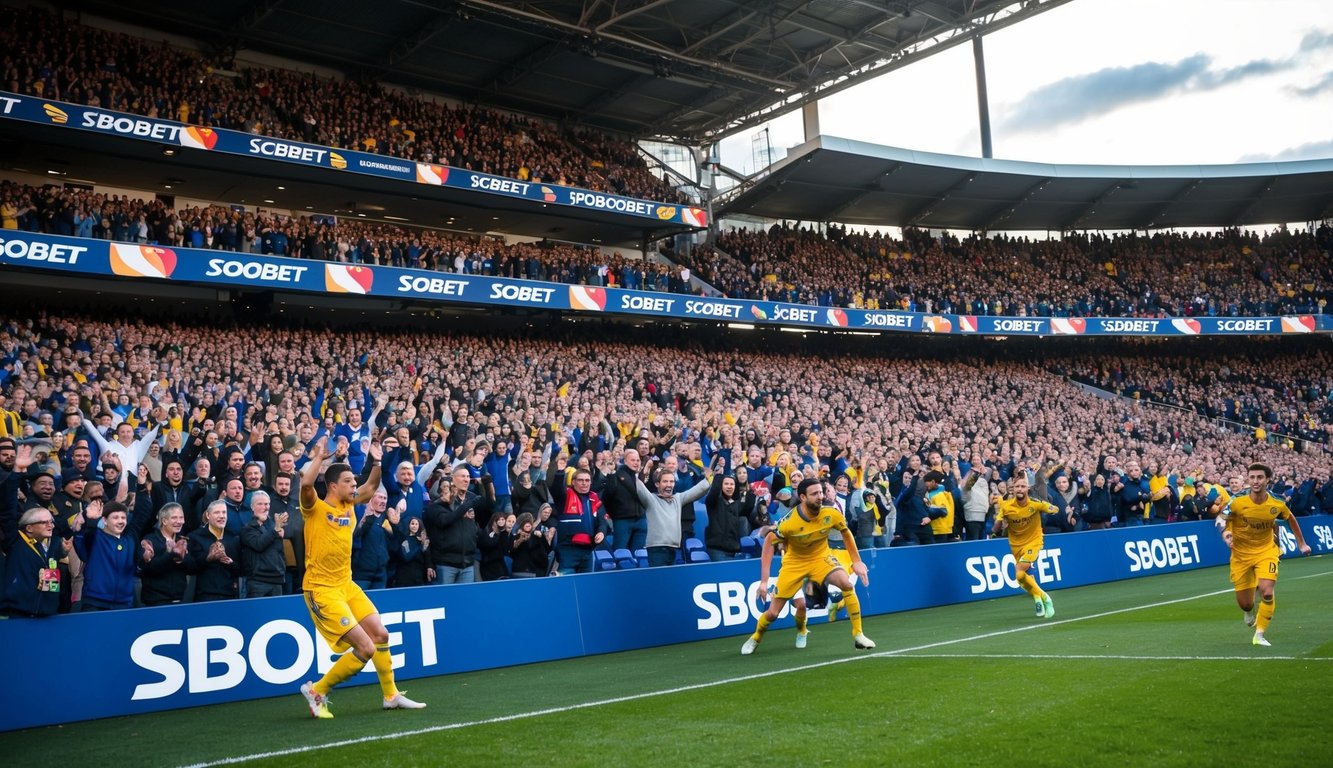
(343, 669)
(853, 604)
(1030, 586)
(1265, 613)
(384, 669)
(761, 628)
(800, 623)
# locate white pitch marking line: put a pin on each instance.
(1110, 656)
(697, 686)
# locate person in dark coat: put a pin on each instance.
(161, 558)
(530, 546)
(451, 523)
(412, 557)
(262, 562)
(376, 535)
(727, 515)
(214, 556)
(107, 550)
(32, 585)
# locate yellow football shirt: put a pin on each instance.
(1251, 524)
(1025, 521)
(808, 539)
(328, 544)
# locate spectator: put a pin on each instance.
(728, 516)
(161, 557)
(32, 582)
(452, 527)
(412, 557)
(107, 551)
(214, 556)
(623, 506)
(529, 547)
(580, 521)
(263, 563)
(664, 512)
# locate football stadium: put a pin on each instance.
(657, 382)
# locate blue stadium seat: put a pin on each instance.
(699, 556)
(624, 559)
(602, 560)
(692, 544)
(641, 555)
(750, 546)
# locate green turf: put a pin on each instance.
(928, 696)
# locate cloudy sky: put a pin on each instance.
(1109, 81)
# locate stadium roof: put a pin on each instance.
(687, 70)
(838, 180)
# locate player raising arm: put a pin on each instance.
(342, 613)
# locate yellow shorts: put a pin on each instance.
(792, 575)
(1246, 572)
(335, 610)
(1026, 554)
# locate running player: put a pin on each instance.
(1022, 515)
(1247, 527)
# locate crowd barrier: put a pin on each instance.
(152, 659)
(58, 114)
(97, 258)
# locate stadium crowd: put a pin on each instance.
(1166, 274)
(183, 440)
(1291, 400)
(51, 57)
(55, 210)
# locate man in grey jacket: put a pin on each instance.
(663, 512)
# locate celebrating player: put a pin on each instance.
(805, 535)
(340, 609)
(1247, 528)
(1023, 517)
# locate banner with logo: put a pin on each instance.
(255, 272)
(194, 138)
(152, 659)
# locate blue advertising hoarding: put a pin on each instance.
(154, 659)
(60, 115)
(227, 269)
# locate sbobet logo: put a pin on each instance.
(730, 603)
(990, 573)
(1165, 552)
(279, 652)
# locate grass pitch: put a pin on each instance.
(1152, 671)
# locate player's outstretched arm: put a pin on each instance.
(766, 562)
(368, 488)
(318, 453)
(858, 566)
(1300, 536)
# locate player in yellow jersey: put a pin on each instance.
(805, 533)
(1247, 527)
(342, 613)
(1022, 515)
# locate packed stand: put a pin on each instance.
(57, 211)
(1231, 273)
(1276, 400)
(50, 57)
(186, 439)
